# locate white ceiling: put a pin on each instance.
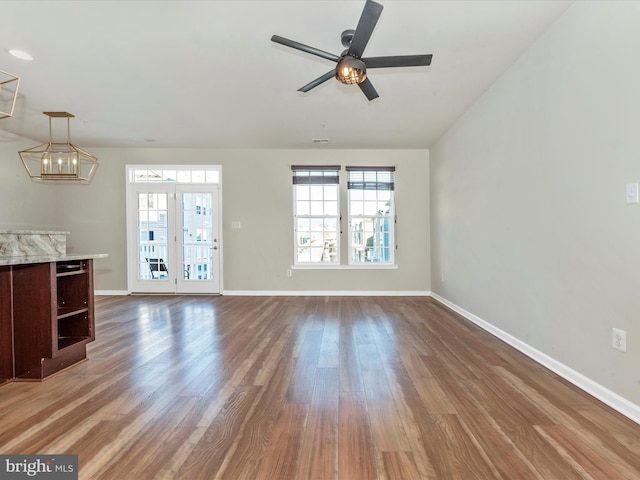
(205, 73)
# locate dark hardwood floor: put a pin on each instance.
(277, 388)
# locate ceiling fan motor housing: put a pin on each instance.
(346, 37)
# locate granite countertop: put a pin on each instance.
(27, 259)
(36, 232)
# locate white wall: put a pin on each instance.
(257, 192)
(530, 231)
(24, 204)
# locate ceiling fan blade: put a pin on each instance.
(398, 61)
(318, 81)
(305, 48)
(366, 24)
(368, 90)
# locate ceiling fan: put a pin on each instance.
(351, 67)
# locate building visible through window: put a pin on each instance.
(316, 214)
(371, 214)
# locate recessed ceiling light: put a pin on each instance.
(21, 54)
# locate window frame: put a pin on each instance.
(316, 176)
(371, 179)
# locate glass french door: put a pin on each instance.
(176, 247)
(154, 211)
(198, 246)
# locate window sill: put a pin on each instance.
(344, 267)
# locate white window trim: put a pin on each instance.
(391, 216)
(355, 266)
(338, 218)
(350, 265)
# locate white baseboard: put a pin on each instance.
(329, 293)
(615, 401)
(298, 293)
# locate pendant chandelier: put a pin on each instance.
(58, 160)
(8, 93)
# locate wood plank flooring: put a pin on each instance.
(278, 388)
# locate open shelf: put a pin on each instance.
(53, 316)
(69, 312)
(73, 303)
(73, 267)
(72, 292)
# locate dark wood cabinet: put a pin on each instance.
(6, 329)
(52, 316)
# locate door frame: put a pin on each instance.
(189, 286)
(157, 185)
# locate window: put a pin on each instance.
(371, 215)
(171, 174)
(316, 214)
(317, 219)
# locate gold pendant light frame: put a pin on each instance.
(58, 160)
(9, 85)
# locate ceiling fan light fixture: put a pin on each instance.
(351, 70)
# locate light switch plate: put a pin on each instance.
(632, 193)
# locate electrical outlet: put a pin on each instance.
(289, 273)
(619, 339)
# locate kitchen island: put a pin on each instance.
(46, 304)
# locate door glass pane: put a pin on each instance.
(197, 238)
(152, 236)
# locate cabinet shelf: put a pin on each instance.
(69, 312)
(71, 267)
(64, 342)
(69, 273)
